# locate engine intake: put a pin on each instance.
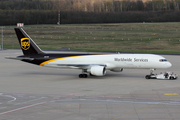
(97, 70)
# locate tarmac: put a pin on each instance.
(30, 92)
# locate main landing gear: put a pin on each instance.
(151, 76)
(83, 75)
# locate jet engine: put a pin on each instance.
(117, 69)
(97, 70)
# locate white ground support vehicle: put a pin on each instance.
(167, 75)
(164, 76)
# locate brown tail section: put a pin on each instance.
(28, 46)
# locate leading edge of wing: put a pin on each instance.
(76, 66)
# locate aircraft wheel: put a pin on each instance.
(82, 75)
(147, 77)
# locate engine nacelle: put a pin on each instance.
(117, 69)
(97, 70)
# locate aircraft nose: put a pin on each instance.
(168, 64)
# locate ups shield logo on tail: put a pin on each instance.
(25, 43)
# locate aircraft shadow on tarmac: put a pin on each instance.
(75, 75)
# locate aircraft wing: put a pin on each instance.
(77, 66)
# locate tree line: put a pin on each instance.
(91, 5)
(88, 11)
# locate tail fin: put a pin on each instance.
(28, 46)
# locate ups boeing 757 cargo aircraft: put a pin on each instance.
(94, 64)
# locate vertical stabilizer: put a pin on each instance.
(28, 46)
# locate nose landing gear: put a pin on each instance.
(151, 76)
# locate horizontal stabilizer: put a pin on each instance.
(19, 58)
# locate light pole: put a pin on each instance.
(2, 38)
(59, 19)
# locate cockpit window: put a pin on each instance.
(162, 60)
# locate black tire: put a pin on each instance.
(83, 75)
(171, 78)
(80, 75)
(147, 76)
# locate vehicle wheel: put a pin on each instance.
(171, 78)
(147, 77)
